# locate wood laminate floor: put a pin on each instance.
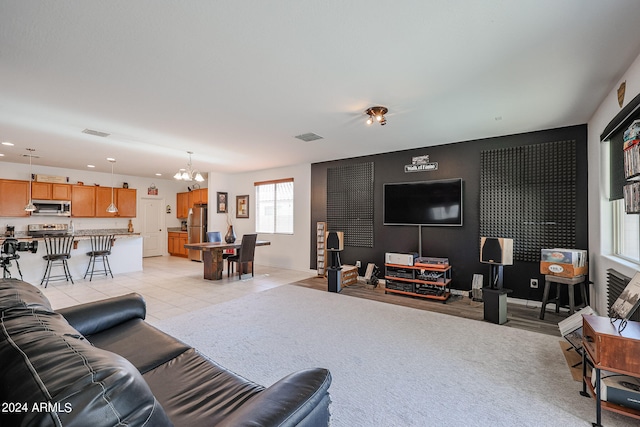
(522, 316)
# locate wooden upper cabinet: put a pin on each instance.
(126, 202)
(83, 201)
(50, 191)
(41, 190)
(14, 196)
(103, 200)
(182, 205)
(187, 200)
(123, 198)
(60, 192)
(204, 195)
(198, 197)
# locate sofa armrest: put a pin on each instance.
(97, 316)
(299, 399)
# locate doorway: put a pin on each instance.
(153, 227)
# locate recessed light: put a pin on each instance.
(91, 166)
(111, 159)
(10, 144)
(158, 174)
(1, 155)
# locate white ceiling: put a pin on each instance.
(235, 81)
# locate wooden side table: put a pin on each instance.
(570, 282)
(609, 350)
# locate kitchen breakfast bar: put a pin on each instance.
(126, 255)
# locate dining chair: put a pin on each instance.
(58, 252)
(100, 251)
(245, 254)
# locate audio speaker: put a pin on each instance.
(496, 250)
(334, 241)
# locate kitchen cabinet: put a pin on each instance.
(126, 201)
(123, 198)
(103, 200)
(14, 196)
(83, 201)
(198, 197)
(50, 191)
(187, 200)
(182, 205)
(176, 243)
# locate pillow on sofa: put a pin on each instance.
(54, 376)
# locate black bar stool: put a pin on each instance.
(100, 251)
(58, 252)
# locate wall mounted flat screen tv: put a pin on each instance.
(434, 203)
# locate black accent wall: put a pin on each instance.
(459, 244)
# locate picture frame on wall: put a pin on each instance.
(221, 200)
(242, 206)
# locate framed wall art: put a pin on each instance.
(221, 200)
(242, 206)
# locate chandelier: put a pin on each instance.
(377, 114)
(188, 174)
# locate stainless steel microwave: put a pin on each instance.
(52, 208)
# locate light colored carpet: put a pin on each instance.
(393, 365)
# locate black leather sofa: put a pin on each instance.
(101, 364)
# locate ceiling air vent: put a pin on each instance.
(96, 133)
(307, 137)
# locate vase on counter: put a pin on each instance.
(130, 227)
(230, 237)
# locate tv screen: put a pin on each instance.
(437, 202)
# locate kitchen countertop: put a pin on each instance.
(176, 230)
(83, 234)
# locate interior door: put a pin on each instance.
(153, 229)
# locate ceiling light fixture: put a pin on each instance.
(377, 114)
(30, 206)
(112, 207)
(188, 174)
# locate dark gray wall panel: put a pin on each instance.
(528, 193)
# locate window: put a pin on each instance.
(626, 232)
(274, 206)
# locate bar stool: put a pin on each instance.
(570, 282)
(58, 252)
(100, 251)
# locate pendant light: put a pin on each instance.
(112, 207)
(30, 206)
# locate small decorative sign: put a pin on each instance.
(621, 91)
(421, 164)
(152, 190)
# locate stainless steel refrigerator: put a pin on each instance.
(197, 228)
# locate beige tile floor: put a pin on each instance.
(170, 285)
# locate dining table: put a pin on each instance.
(212, 255)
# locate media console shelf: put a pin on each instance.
(425, 280)
(609, 350)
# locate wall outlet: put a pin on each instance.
(534, 283)
(358, 264)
